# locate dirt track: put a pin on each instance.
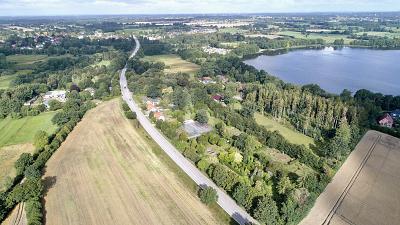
(106, 173)
(365, 191)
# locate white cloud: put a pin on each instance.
(74, 7)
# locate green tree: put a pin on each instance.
(266, 211)
(24, 160)
(41, 139)
(201, 116)
(208, 195)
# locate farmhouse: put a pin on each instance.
(386, 121)
(59, 95)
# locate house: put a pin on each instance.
(218, 98)
(386, 121)
(59, 95)
(151, 106)
(207, 80)
(395, 114)
(159, 116)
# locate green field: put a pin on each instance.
(329, 38)
(26, 59)
(381, 34)
(20, 131)
(6, 80)
(174, 64)
(291, 135)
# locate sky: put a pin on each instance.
(99, 7)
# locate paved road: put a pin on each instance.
(224, 200)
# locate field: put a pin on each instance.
(329, 38)
(174, 64)
(365, 191)
(16, 136)
(291, 135)
(382, 34)
(6, 80)
(20, 131)
(109, 172)
(26, 59)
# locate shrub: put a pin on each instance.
(208, 195)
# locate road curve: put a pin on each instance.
(224, 200)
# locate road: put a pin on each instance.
(224, 200)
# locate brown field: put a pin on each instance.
(365, 191)
(108, 172)
(17, 216)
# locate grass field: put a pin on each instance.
(117, 175)
(329, 38)
(174, 64)
(381, 34)
(290, 134)
(6, 80)
(26, 59)
(21, 131)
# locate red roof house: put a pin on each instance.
(386, 121)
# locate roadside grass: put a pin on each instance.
(174, 64)
(329, 38)
(21, 131)
(291, 135)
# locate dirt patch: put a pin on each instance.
(107, 173)
(365, 189)
(17, 216)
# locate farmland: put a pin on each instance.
(116, 175)
(174, 64)
(329, 38)
(290, 134)
(365, 189)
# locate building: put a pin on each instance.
(159, 116)
(386, 121)
(92, 91)
(218, 98)
(395, 114)
(207, 80)
(54, 95)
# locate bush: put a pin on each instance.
(208, 195)
(201, 116)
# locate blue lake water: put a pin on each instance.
(335, 70)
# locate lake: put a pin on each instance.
(335, 70)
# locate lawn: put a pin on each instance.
(329, 38)
(21, 131)
(291, 135)
(174, 64)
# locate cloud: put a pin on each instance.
(75, 7)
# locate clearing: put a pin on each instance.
(109, 172)
(365, 191)
(5, 80)
(291, 135)
(329, 38)
(174, 64)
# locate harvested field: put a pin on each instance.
(365, 191)
(17, 216)
(108, 172)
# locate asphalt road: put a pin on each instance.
(224, 200)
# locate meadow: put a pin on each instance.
(174, 64)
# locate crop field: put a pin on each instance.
(291, 135)
(20, 131)
(109, 172)
(174, 64)
(329, 38)
(365, 191)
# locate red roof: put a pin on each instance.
(386, 119)
(217, 97)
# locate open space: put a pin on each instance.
(108, 172)
(329, 38)
(26, 59)
(174, 64)
(20, 131)
(365, 191)
(291, 135)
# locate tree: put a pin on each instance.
(201, 116)
(41, 139)
(23, 161)
(3, 61)
(266, 211)
(208, 195)
(284, 185)
(55, 105)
